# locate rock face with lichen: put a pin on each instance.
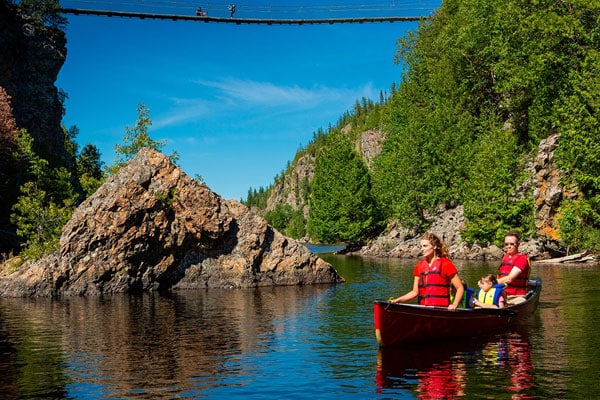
(151, 227)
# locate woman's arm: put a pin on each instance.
(460, 290)
(410, 295)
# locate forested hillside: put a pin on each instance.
(483, 83)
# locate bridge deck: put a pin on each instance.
(238, 21)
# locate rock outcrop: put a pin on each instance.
(151, 227)
(291, 189)
(548, 191)
(31, 56)
(370, 144)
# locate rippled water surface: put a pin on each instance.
(294, 342)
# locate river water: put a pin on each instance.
(312, 342)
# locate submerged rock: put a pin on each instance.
(152, 227)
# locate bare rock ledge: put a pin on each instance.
(152, 227)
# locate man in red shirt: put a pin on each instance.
(514, 270)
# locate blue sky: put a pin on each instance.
(235, 101)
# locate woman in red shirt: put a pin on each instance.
(433, 276)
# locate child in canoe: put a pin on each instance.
(490, 293)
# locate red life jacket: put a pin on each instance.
(518, 286)
(434, 288)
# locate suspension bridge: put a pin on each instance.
(258, 14)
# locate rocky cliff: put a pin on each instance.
(31, 56)
(548, 191)
(292, 188)
(151, 227)
(9, 172)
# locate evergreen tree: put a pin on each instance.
(137, 138)
(490, 204)
(341, 205)
(89, 168)
(89, 162)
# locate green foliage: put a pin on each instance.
(287, 220)
(424, 159)
(257, 198)
(46, 202)
(395, 175)
(491, 207)
(366, 115)
(70, 142)
(89, 169)
(137, 138)
(578, 153)
(89, 162)
(167, 199)
(539, 44)
(579, 223)
(296, 227)
(89, 184)
(433, 117)
(44, 12)
(39, 220)
(483, 82)
(198, 178)
(342, 207)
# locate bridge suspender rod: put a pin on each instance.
(238, 21)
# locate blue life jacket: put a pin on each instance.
(468, 297)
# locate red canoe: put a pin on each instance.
(409, 323)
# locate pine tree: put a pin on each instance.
(137, 138)
(89, 168)
(341, 205)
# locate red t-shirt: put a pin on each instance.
(434, 281)
(518, 286)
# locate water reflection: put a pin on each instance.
(294, 342)
(459, 368)
(148, 345)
